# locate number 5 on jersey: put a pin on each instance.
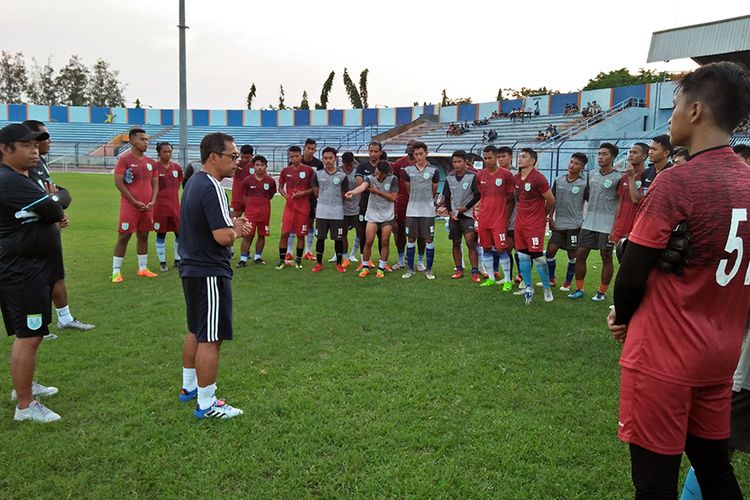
(734, 244)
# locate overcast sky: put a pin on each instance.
(413, 49)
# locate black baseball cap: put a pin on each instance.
(21, 133)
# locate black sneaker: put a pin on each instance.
(163, 267)
(242, 263)
(259, 261)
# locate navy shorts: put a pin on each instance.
(27, 312)
(209, 307)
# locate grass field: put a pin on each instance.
(351, 388)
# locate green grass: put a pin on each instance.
(351, 388)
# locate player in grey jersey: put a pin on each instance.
(571, 192)
(380, 214)
(329, 186)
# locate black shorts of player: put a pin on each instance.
(457, 228)
(420, 227)
(350, 222)
(567, 239)
(27, 312)
(313, 206)
(381, 225)
(329, 226)
(594, 240)
(209, 307)
(511, 233)
(739, 437)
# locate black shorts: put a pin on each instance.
(420, 227)
(27, 312)
(594, 240)
(511, 233)
(350, 222)
(457, 228)
(313, 206)
(209, 307)
(567, 239)
(326, 226)
(739, 438)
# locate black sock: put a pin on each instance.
(299, 255)
(320, 247)
(338, 246)
(282, 254)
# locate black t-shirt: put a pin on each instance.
(40, 173)
(314, 163)
(363, 170)
(649, 175)
(204, 209)
(30, 246)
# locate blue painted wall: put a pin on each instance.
(558, 102)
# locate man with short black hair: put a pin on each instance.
(308, 158)
(365, 168)
(461, 193)
(244, 168)
(207, 232)
(630, 192)
(295, 185)
(658, 153)
(597, 225)
(401, 203)
(329, 186)
(167, 207)
(257, 191)
(137, 179)
(41, 175)
(30, 263)
(351, 206)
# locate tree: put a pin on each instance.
(104, 87)
(444, 101)
(305, 104)
(72, 83)
(282, 106)
(363, 86)
(327, 86)
(354, 97)
(137, 104)
(530, 92)
(251, 96)
(13, 77)
(42, 88)
(622, 77)
(454, 102)
(499, 94)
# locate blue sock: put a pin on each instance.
(541, 267)
(551, 266)
(430, 251)
(507, 264)
(571, 272)
(524, 267)
(161, 250)
(410, 250)
(401, 260)
(495, 261)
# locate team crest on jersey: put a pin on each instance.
(149, 167)
(607, 183)
(575, 189)
(252, 171)
(336, 181)
(125, 226)
(465, 185)
(387, 186)
(527, 187)
(301, 175)
(498, 182)
(156, 226)
(426, 175)
(174, 173)
(266, 186)
(34, 321)
(638, 184)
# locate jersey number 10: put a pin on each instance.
(734, 244)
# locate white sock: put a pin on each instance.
(176, 249)
(308, 242)
(142, 262)
(189, 380)
(243, 257)
(117, 264)
(63, 315)
(381, 264)
(258, 256)
(505, 266)
(355, 246)
(487, 261)
(161, 250)
(206, 396)
(290, 244)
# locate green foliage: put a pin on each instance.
(500, 94)
(72, 82)
(354, 97)
(41, 87)
(305, 104)
(104, 87)
(529, 92)
(327, 86)
(282, 106)
(623, 77)
(251, 96)
(446, 101)
(137, 104)
(13, 77)
(457, 391)
(363, 86)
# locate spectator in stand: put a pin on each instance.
(484, 136)
(492, 135)
(540, 136)
(586, 112)
(554, 130)
(595, 108)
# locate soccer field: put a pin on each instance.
(351, 387)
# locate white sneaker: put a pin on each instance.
(352, 258)
(564, 288)
(548, 297)
(522, 285)
(76, 325)
(50, 336)
(520, 291)
(429, 275)
(420, 267)
(332, 259)
(36, 412)
(407, 275)
(219, 409)
(37, 389)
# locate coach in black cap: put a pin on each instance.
(30, 255)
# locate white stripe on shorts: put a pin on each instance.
(212, 318)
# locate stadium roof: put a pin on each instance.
(726, 40)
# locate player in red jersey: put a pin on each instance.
(167, 207)
(496, 187)
(630, 192)
(535, 202)
(295, 185)
(682, 334)
(137, 179)
(257, 191)
(244, 168)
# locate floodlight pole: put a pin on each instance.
(183, 87)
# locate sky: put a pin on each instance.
(413, 49)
